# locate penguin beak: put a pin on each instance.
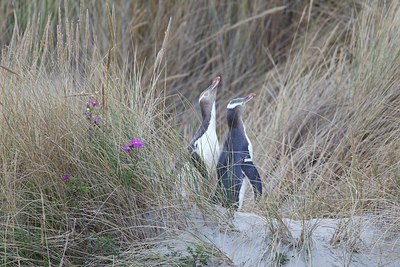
(215, 83)
(249, 97)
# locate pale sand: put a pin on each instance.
(247, 239)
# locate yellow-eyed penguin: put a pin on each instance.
(235, 162)
(204, 147)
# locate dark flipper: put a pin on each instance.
(251, 172)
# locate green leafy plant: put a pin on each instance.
(76, 186)
(280, 258)
(197, 256)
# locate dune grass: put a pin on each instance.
(324, 125)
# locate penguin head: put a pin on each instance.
(239, 103)
(235, 110)
(209, 95)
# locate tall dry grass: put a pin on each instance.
(324, 125)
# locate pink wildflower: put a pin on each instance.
(137, 143)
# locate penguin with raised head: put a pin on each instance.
(204, 147)
(235, 163)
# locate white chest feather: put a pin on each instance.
(207, 145)
(250, 147)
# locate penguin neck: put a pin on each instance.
(209, 117)
(235, 121)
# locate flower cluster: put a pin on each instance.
(134, 143)
(90, 108)
(66, 177)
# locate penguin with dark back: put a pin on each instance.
(235, 163)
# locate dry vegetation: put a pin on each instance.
(325, 124)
